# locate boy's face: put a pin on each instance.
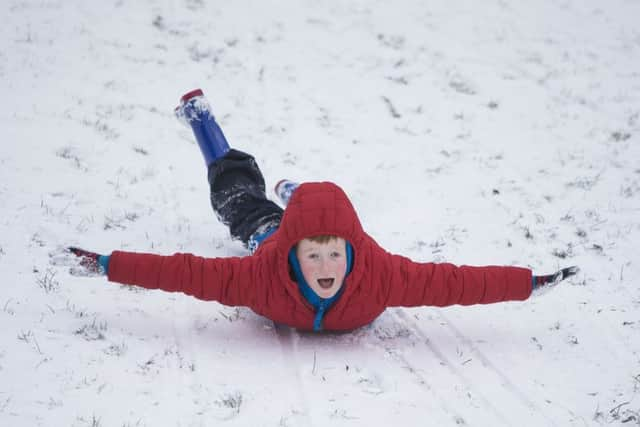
(323, 265)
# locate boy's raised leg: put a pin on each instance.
(237, 188)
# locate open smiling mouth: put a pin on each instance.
(325, 283)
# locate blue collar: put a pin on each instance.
(319, 304)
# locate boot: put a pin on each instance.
(194, 110)
(284, 189)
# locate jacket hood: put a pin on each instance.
(314, 209)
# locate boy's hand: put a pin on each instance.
(81, 262)
(542, 284)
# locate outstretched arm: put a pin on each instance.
(447, 284)
(413, 284)
(227, 280)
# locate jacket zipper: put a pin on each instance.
(317, 322)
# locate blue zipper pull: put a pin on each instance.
(317, 323)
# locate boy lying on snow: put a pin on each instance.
(312, 265)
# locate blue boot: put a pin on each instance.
(195, 111)
(284, 190)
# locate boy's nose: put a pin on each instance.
(324, 267)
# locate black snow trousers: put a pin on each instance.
(238, 196)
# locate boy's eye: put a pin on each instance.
(313, 256)
(336, 254)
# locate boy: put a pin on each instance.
(312, 265)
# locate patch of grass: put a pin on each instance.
(231, 401)
(48, 281)
(92, 331)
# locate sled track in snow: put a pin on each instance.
(444, 361)
(505, 382)
(285, 338)
(481, 402)
(455, 416)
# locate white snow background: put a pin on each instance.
(493, 132)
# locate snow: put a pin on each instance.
(505, 132)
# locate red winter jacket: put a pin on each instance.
(378, 279)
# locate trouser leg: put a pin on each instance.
(238, 196)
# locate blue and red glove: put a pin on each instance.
(90, 263)
(541, 284)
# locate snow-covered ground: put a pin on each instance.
(494, 132)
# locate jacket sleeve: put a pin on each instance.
(227, 280)
(412, 284)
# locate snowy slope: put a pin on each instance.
(496, 132)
